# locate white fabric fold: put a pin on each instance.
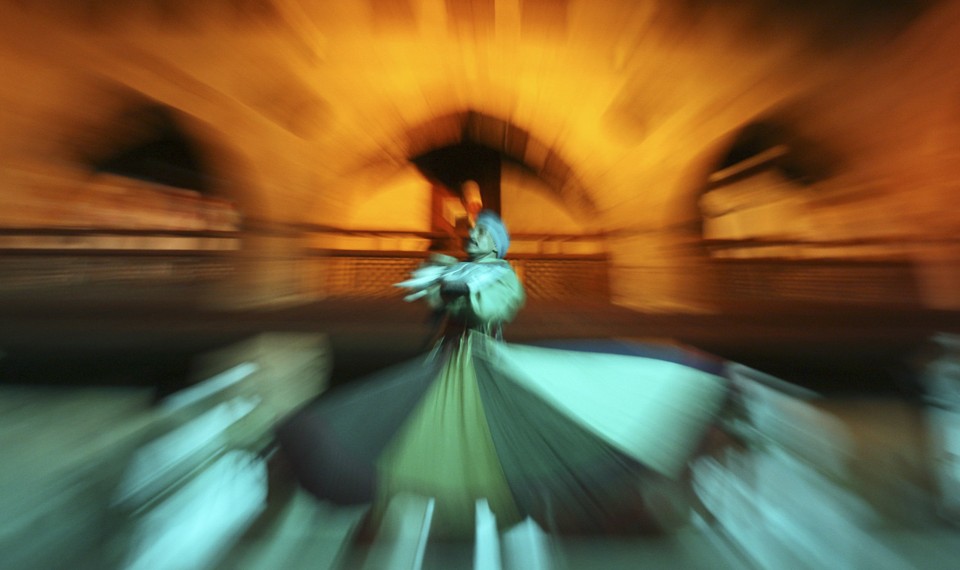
(655, 411)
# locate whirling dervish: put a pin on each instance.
(569, 438)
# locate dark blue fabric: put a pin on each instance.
(333, 444)
(565, 477)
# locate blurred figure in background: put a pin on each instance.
(472, 201)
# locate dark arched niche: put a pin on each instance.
(148, 141)
(460, 146)
(156, 150)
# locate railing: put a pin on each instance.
(871, 271)
(117, 263)
(112, 263)
(545, 277)
(135, 263)
(844, 249)
(27, 240)
(818, 281)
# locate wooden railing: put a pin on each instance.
(869, 271)
(545, 277)
(117, 263)
(854, 282)
(108, 262)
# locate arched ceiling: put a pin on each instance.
(613, 103)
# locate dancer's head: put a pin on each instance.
(488, 236)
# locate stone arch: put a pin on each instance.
(153, 142)
(771, 143)
(512, 143)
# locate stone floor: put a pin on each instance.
(306, 534)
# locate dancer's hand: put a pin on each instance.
(421, 281)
